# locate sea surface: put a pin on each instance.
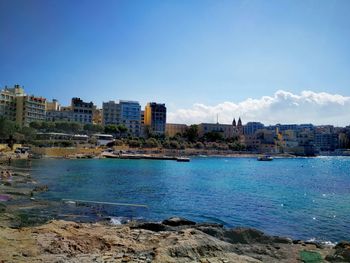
(301, 198)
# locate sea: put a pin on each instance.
(300, 198)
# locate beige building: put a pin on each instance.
(226, 130)
(30, 108)
(171, 129)
(52, 105)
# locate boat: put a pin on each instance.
(265, 158)
(182, 159)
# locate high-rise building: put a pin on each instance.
(127, 113)
(82, 111)
(155, 117)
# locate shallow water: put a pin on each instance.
(303, 198)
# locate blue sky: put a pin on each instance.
(179, 52)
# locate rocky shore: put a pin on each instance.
(26, 238)
(173, 240)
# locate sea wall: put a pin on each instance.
(61, 152)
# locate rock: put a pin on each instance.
(178, 221)
(242, 235)
(155, 227)
(341, 254)
(41, 188)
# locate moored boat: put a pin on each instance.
(182, 159)
(265, 158)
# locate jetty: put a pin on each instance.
(145, 157)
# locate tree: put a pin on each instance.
(122, 129)
(28, 133)
(36, 125)
(213, 136)
(111, 129)
(191, 134)
(151, 143)
(92, 128)
(11, 142)
(7, 128)
(134, 143)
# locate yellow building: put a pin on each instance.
(171, 129)
(97, 116)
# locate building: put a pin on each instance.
(53, 105)
(127, 113)
(15, 105)
(82, 111)
(60, 115)
(263, 141)
(251, 127)
(102, 139)
(97, 116)
(326, 141)
(29, 109)
(172, 129)
(155, 118)
(226, 130)
(8, 101)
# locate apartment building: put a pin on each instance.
(124, 112)
(82, 111)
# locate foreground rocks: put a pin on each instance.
(62, 241)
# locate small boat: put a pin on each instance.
(182, 159)
(265, 158)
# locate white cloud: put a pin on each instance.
(282, 107)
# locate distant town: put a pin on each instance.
(38, 119)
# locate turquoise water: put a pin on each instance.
(302, 198)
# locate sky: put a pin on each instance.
(202, 58)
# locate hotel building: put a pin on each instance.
(29, 109)
(8, 101)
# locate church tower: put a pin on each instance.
(239, 122)
(240, 126)
(234, 122)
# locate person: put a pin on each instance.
(10, 159)
(29, 161)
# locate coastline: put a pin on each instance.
(25, 237)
